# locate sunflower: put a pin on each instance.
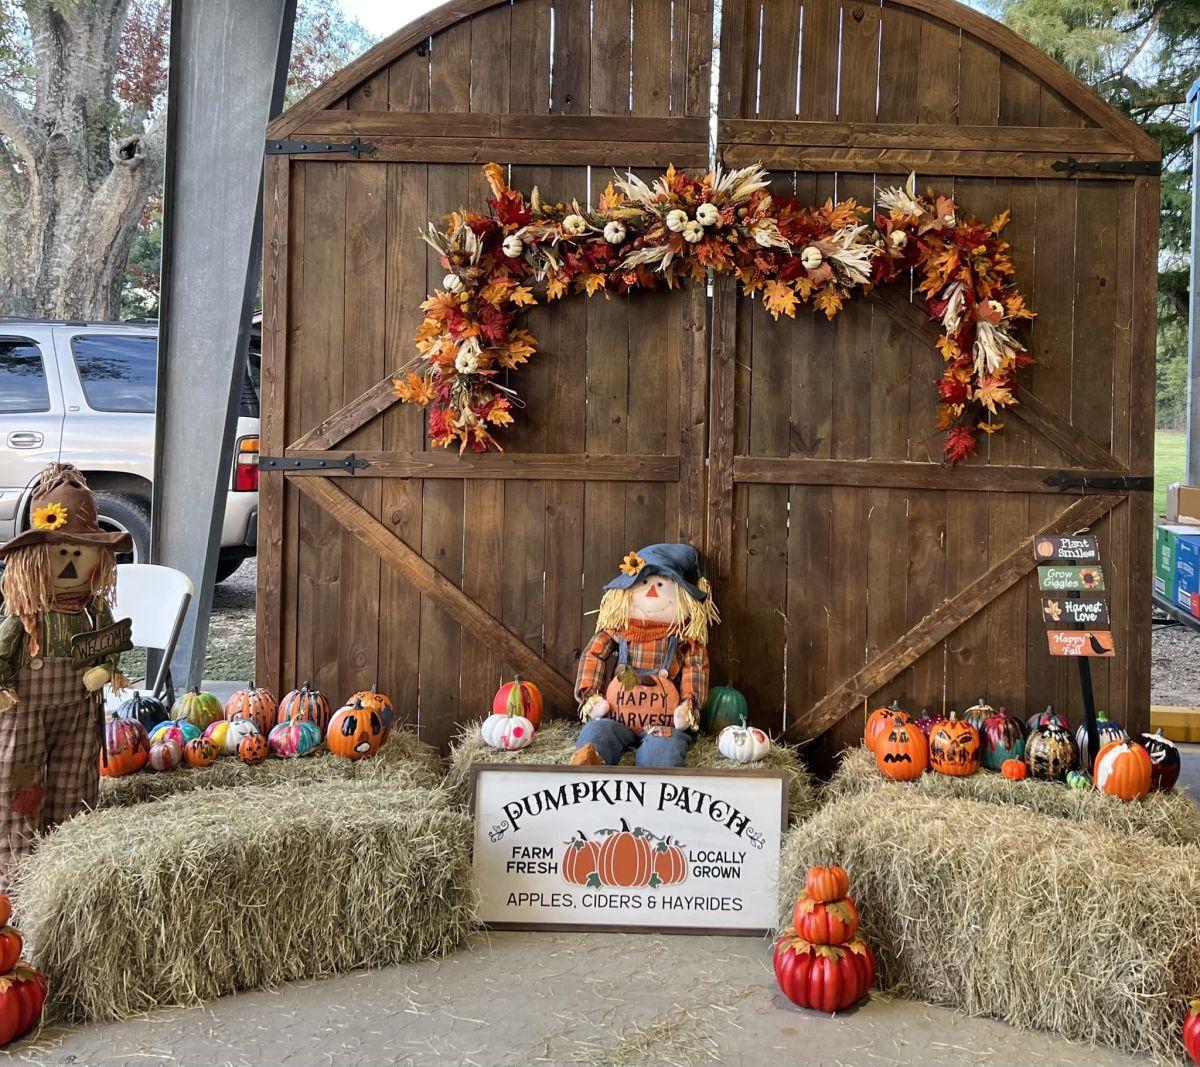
(632, 563)
(49, 517)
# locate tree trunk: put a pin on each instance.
(69, 199)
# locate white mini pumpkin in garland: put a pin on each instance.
(743, 744)
(509, 732)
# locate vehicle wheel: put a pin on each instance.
(129, 515)
(226, 568)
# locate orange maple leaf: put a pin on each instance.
(994, 392)
(522, 296)
(1000, 221)
(556, 287)
(443, 303)
(830, 301)
(496, 289)
(948, 348)
(521, 345)
(779, 299)
(594, 283)
(414, 389)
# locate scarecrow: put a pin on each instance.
(58, 584)
(644, 677)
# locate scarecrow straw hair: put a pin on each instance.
(555, 744)
(1170, 818)
(402, 762)
(1046, 924)
(692, 617)
(202, 895)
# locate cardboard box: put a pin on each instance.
(1187, 571)
(1166, 549)
(1183, 504)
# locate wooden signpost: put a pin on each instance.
(1069, 570)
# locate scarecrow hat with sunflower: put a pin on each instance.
(64, 512)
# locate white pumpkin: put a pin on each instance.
(513, 246)
(743, 744)
(507, 731)
(239, 729)
(452, 283)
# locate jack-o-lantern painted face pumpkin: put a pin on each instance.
(902, 754)
(880, 721)
(355, 732)
(954, 747)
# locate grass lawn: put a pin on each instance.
(1169, 462)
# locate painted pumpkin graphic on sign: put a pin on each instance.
(581, 861)
(670, 863)
(626, 858)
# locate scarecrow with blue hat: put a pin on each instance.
(644, 677)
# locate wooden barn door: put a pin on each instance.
(385, 559)
(852, 564)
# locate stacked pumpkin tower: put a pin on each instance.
(819, 962)
(22, 989)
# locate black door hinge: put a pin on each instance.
(351, 463)
(1129, 483)
(356, 148)
(1074, 166)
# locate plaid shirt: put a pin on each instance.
(648, 643)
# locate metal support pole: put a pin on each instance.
(1193, 398)
(228, 71)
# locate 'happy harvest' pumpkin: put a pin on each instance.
(254, 703)
(902, 754)
(831, 922)
(725, 706)
(954, 748)
(519, 698)
(146, 709)
(127, 748)
(1050, 753)
(1123, 770)
(626, 858)
(294, 738)
(743, 744)
(581, 861)
(306, 704)
(1106, 729)
(355, 732)
(198, 708)
(880, 721)
(1002, 738)
(1164, 761)
(828, 978)
(827, 883)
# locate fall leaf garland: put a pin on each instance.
(647, 236)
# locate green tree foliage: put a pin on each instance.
(1141, 56)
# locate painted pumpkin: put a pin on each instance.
(147, 710)
(380, 702)
(200, 752)
(1044, 718)
(509, 732)
(725, 706)
(1191, 1031)
(519, 698)
(902, 754)
(954, 748)
(928, 720)
(355, 732)
(626, 858)
(743, 744)
(1164, 761)
(127, 746)
(1078, 780)
(825, 922)
(880, 721)
(11, 944)
(5, 909)
(977, 714)
(670, 863)
(1123, 770)
(828, 978)
(200, 709)
(1050, 753)
(179, 731)
(227, 734)
(1014, 769)
(253, 749)
(1002, 738)
(218, 734)
(166, 755)
(254, 703)
(295, 738)
(307, 704)
(827, 883)
(581, 861)
(1106, 729)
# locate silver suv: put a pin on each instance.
(84, 393)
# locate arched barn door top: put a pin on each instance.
(1033, 60)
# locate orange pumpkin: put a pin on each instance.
(832, 922)
(306, 704)
(254, 703)
(581, 861)
(902, 754)
(355, 732)
(827, 883)
(880, 721)
(1014, 769)
(519, 697)
(1123, 769)
(670, 863)
(253, 749)
(200, 752)
(626, 858)
(126, 748)
(954, 747)
(380, 702)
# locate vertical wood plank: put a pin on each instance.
(289, 603)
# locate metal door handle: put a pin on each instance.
(25, 439)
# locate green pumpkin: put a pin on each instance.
(725, 707)
(200, 709)
(1078, 780)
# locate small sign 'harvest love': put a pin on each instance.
(590, 847)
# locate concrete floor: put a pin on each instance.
(523, 999)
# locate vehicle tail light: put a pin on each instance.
(245, 466)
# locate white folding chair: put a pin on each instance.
(156, 599)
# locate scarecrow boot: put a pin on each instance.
(587, 756)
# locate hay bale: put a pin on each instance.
(187, 899)
(555, 745)
(404, 760)
(1045, 923)
(1171, 818)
